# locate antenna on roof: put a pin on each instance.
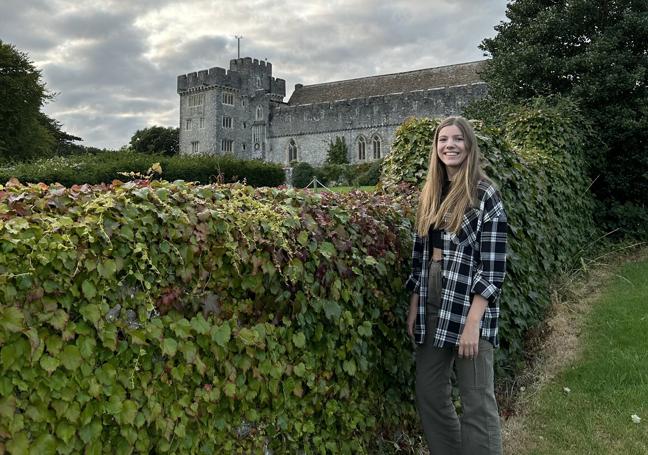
(238, 44)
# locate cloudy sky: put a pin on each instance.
(113, 63)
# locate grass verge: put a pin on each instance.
(587, 407)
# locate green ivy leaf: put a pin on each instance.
(11, 319)
(221, 334)
(91, 313)
(230, 390)
(129, 412)
(169, 347)
(332, 309)
(8, 407)
(327, 249)
(350, 367)
(19, 444)
(107, 268)
(49, 363)
(65, 431)
(299, 340)
(88, 289)
(200, 325)
(71, 357)
(300, 369)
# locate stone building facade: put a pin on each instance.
(241, 111)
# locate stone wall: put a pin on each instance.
(313, 126)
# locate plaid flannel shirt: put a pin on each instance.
(474, 262)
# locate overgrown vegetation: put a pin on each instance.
(108, 166)
(545, 192)
(173, 318)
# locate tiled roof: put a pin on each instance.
(443, 76)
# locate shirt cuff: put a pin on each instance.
(412, 285)
(487, 290)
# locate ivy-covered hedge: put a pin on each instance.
(107, 166)
(163, 317)
(536, 160)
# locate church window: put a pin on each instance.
(228, 98)
(194, 147)
(292, 151)
(259, 113)
(202, 122)
(227, 122)
(188, 124)
(362, 149)
(227, 145)
(376, 147)
(258, 133)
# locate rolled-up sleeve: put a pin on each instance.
(414, 280)
(491, 268)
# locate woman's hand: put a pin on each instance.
(469, 340)
(411, 316)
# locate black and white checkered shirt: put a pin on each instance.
(474, 262)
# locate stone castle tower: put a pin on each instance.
(242, 112)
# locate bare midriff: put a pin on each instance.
(437, 254)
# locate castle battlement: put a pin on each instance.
(243, 73)
(247, 65)
(205, 78)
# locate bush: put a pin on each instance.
(106, 167)
(537, 161)
(303, 174)
(172, 318)
(371, 176)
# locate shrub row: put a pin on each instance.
(171, 318)
(363, 174)
(108, 166)
(536, 160)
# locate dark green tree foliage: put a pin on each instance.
(156, 139)
(64, 143)
(596, 52)
(23, 133)
(337, 152)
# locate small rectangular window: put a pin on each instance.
(188, 124)
(202, 122)
(194, 147)
(227, 122)
(227, 145)
(228, 98)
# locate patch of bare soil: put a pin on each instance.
(559, 344)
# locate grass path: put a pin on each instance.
(595, 374)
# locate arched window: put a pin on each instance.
(376, 147)
(292, 151)
(362, 149)
(259, 113)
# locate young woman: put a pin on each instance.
(458, 266)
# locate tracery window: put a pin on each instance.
(376, 147)
(292, 151)
(362, 149)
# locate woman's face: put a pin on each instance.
(451, 149)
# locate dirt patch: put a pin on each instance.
(560, 345)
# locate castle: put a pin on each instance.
(242, 112)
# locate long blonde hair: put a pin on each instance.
(463, 188)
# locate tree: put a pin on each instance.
(337, 152)
(23, 132)
(156, 139)
(595, 52)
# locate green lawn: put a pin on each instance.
(607, 385)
